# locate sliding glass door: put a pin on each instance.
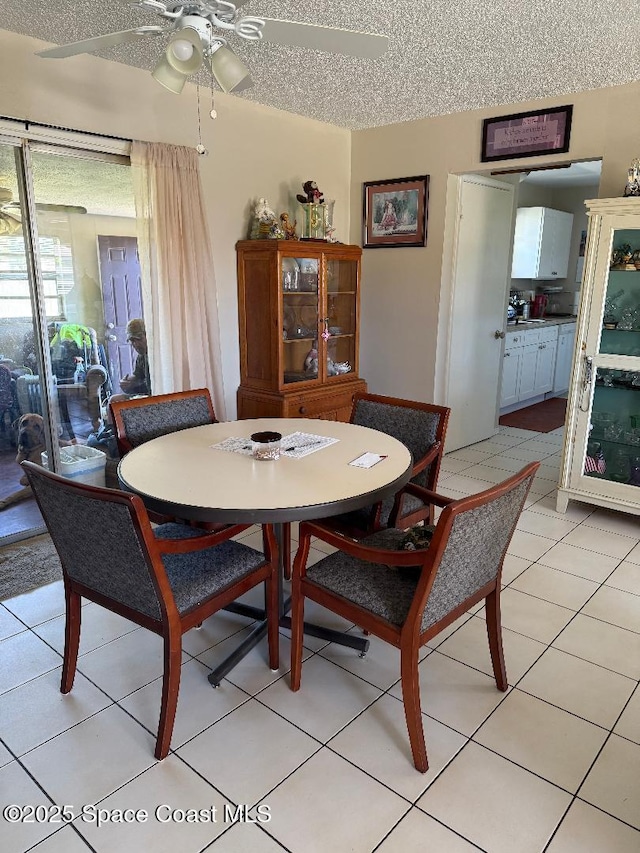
(67, 224)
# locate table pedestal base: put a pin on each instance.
(216, 675)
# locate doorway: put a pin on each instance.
(563, 187)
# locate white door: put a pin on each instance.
(480, 282)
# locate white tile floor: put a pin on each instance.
(553, 764)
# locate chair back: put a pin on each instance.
(470, 542)
(417, 425)
(29, 394)
(6, 389)
(99, 536)
(142, 418)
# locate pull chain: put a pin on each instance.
(199, 147)
(213, 112)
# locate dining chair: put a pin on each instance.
(422, 428)
(168, 579)
(140, 419)
(406, 597)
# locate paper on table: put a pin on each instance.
(235, 445)
(299, 444)
(295, 446)
(367, 460)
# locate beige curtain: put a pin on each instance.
(178, 281)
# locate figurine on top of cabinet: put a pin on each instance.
(312, 194)
(288, 227)
(633, 179)
(264, 225)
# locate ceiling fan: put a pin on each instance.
(198, 29)
(10, 218)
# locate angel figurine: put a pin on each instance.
(264, 225)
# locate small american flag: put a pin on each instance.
(595, 464)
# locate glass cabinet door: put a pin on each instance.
(613, 446)
(340, 320)
(300, 280)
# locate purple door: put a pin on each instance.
(122, 298)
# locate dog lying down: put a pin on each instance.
(31, 444)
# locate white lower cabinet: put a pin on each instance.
(564, 357)
(529, 364)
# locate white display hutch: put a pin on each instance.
(601, 455)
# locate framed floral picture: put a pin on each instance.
(395, 212)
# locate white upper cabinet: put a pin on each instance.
(541, 243)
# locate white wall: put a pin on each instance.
(254, 151)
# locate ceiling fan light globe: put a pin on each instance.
(167, 76)
(181, 49)
(228, 69)
(187, 38)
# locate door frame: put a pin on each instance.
(449, 272)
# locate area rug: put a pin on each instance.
(27, 565)
(542, 417)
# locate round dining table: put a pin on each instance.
(187, 475)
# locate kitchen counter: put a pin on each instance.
(548, 321)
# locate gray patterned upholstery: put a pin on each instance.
(200, 574)
(475, 547)
(153, 419)
(415, 428)
(99, 547)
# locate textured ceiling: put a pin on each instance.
(443, 57)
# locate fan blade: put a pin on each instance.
(9, 225)
(328, 39)
(52, 208)
(100, 42)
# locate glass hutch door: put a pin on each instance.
(300, 285)
(341, 278)
(612, 450)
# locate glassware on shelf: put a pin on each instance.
(619, 465)
(290, 275)
(632, 437)
(613, 432)
(634, 471)
(628, 320)
(610, 319)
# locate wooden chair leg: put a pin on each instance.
(273, 622)
(494, 630)
(286, 550)
(170, 687)
(71, 639)
(297, 628)
(412, 710)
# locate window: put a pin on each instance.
(57, 276)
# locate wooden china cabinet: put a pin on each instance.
(298, 308)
